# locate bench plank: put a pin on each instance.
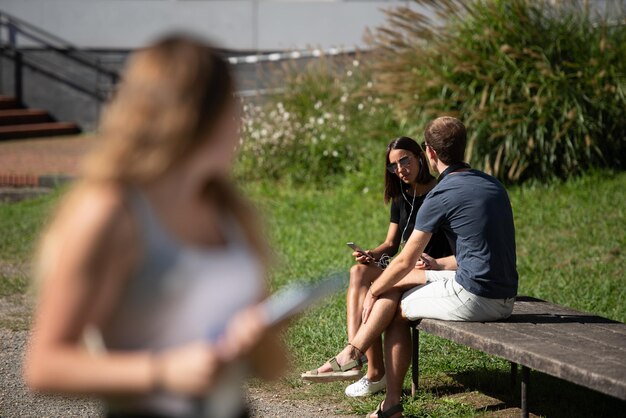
(579, 347)
(538, 307)
(596, 350)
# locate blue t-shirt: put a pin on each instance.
(474, 211)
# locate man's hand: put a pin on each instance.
(426, 262)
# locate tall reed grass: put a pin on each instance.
(542, 88)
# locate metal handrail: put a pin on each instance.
(48, 42)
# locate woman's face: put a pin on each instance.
(404, 164)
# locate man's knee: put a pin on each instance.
(399, 317)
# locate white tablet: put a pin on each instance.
(295, 298)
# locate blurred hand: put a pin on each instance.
(243, 334)
(192, 369)
(363, 259)
(189, 370)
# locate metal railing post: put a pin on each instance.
(17, 62)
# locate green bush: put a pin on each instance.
(320, 127)
(541, 89)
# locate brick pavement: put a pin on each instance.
(24, 162)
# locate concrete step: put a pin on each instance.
(22, 116)
(35, 130)
(9, 102)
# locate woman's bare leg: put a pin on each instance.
(383, 313)
(361, 277)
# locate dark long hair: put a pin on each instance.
(393, 183)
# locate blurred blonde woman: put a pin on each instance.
(152, 258)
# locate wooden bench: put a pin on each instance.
(579, 347)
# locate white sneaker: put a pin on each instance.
(365, 387)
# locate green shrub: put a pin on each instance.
(320, 127)
(541, 89)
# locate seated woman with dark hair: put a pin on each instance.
(407, 182)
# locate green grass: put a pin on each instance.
(20, 224)
(570, 237)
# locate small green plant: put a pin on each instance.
(318, 128)
(542, 88)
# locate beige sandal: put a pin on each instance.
(347, 371)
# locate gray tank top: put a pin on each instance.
(181, 294)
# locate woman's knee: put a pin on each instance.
(359, 275)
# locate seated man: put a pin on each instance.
(474, 211)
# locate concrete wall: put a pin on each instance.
(236, 24)
(109, 29)
(68, 104)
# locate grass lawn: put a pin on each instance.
(571, 241)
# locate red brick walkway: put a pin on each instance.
(23, 161)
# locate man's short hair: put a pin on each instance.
(446, 135)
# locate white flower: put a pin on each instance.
(341, 118)
(369, 84)
(318, 105)
(360, 106)
(320, 121)
(325, 153)
(366, 190)
(349, 73)
(335, 153)
(355, 63)
(344, 98)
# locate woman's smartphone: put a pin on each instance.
(359, 249)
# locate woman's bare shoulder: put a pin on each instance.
(91, 213)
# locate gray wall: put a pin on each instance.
(235, 24)
(68, 104)
(109, 29)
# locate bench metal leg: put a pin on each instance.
(525, 384)
(415, 369)
(513, 375)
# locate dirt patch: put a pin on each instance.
(279, 403)
(17, 194)
(16, 312)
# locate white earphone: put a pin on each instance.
(408, 219)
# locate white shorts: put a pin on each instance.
(443, 298)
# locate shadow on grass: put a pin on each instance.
(548, 396)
